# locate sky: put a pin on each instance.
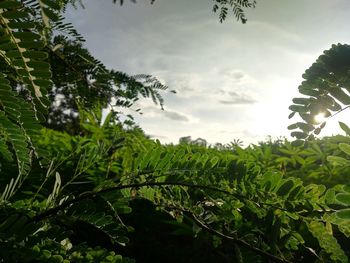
(233, 80)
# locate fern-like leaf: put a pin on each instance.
(222, 7)
(325, 89)
(21, 49)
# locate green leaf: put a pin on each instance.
(10, 4)
(345, 148)
(21, 25)
(317, 131)
(4, 152)
(165, 161)
(42, 74)
(343, 214)
(327, 241)
(292, 126)
(52, 4)
(302, 101)
(35, 55)
(308, 92)
(145, 160)
(346, 188)
(124, 209)
(297, 143)
(271, 180)
(50, 14)
(305, 127)
(285, 187)
(214, 161)
(330, 196)
(15, 14)
(26, 35)
(343, 198)
(31, 44)
(345, 128)
(338, 161)
(39, 65)
(298, 108)
(299, 135)
(340, 95)
(295, 192)
(291, 115)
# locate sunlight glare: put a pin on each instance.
(319, 118)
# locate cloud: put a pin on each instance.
(186, 84)
(233, 74)
(237, 99)
(241, 133)
(155, 136)
(273, 30)
(151, 111)
(213, 66)
(175, 116)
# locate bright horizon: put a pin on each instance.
(233, 81)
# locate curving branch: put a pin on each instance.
(92, 194)
(238, 241)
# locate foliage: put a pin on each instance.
(215, 198)
(325, 87)
(27, 52)
(78, 76)
(222, 7)
(103, 192)
(22, 55)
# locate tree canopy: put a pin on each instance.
(77, 186)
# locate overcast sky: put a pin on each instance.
(233, 81)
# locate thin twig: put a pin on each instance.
(90, 194)
(239, 242)
(343, 109)
(339, 111)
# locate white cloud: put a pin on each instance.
(151, 112)
(235, 98)
(176, 116)
(255, 68)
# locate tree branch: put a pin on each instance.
(239, 242)
(91, 194)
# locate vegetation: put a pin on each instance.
(325, 88)
(76, 187)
